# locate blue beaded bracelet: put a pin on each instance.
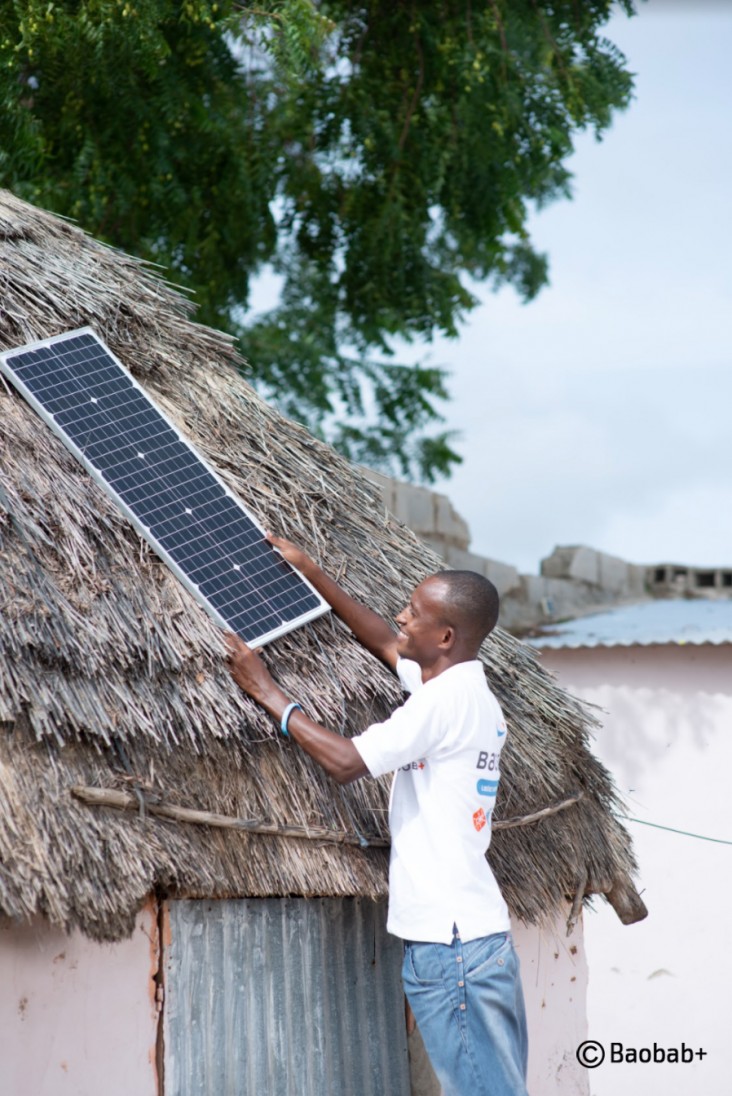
(286, 715)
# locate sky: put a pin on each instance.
(600, 413)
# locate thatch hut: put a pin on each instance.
(121, 733)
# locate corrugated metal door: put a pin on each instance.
(283, 997)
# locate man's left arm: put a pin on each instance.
(337, 755)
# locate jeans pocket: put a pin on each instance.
(486, 952)
(423, 964)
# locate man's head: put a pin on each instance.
(447, 618)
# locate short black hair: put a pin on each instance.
(472, 601)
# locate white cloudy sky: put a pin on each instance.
(600, 413)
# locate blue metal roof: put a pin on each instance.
(676, 621)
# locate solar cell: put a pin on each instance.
(175, 500)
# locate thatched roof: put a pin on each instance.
(112, 676)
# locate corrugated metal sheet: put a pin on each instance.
(288, 997)
(676, 621)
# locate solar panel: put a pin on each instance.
(172, 497)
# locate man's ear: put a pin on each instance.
(448, 638)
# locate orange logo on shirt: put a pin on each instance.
(479, 819)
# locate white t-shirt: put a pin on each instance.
(445, 743)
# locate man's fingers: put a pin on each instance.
(275, 541)
(235, 644)
(290, 551)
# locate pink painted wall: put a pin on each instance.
(554, 979)
(77, 1018)
(667, 739)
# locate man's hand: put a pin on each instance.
(294, 555)
(337, 755)
(249, 672)
(368, 627)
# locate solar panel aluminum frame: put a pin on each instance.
(7, 370)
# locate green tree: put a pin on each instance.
(375, 154)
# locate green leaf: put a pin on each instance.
(378, 154)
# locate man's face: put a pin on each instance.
(422, 625)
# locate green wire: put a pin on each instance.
(670, 829)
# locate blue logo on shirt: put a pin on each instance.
(487, 787)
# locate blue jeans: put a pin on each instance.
(469, 1007)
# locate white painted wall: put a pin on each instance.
(554, 976)
(77, 1018)
(667, 738)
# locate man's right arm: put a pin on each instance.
(368, 627)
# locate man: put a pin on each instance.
(460, 970)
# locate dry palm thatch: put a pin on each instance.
(112, 677)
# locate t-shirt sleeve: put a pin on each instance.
(410, 674)
(413, 731)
